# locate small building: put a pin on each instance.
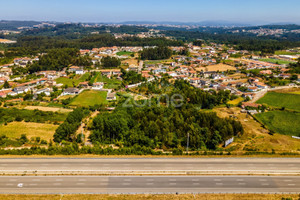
(98, 86)
(111, 97)
(71, 91)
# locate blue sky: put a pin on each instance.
(153, 10)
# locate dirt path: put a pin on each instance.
(83, 127)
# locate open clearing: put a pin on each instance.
(256, 138)
(283, 122)
(51, 109)
(71, 82)
(235, 101)
(16, 129)
(279, 100)
(276, 61)
(153, 197)
(90, 98)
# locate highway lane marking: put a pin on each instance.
(149, 183)
(12, 180)
(10, 184)
(242, 183)
(32, 184)
(287, 180)
(195, 180)
(262, 180)
(172, 179)
(58, 179)
(291, 184)
(80, 183)
(219, 183)
(149, 179)
(128, 179)
(239, 180)
(265, 184)
(81, 179)
(56, 183)
(196, 183)
(217, 180)
(126, 183)
(35, 179)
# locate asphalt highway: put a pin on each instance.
(148, 184)
(152, 165)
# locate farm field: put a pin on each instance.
(16, 129)
(281, 62)
(289, 101)
(51, 109)
(69, 82)
(283, 122)
(90, 98)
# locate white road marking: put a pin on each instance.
(56, 183)
(287, 180)
(58, 180)
(81, 180)
(291, 184)
(239, 180)
(35, 179)
(265, 184)
(9, 184)
(217, 180)
(262, 179)
(195, 179)
(219, 183)
(32, 184)
(242, 183)
(149, 183)
(172, 179)
(128, 179)
(126, 183)
(12, 179)
(149, 179)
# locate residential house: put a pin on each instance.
(71, 91)
(98, 86)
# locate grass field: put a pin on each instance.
(152, 197)
(16, 129)
(280, 62)
(110, 83)
(290, 101)
(51, 109)
(235, 101)
(285, 53)
(283, 122)
(125, 53)
(256, 137)
(76, 80)
(90, 98)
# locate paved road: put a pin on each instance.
(153, 165)
(148, 184)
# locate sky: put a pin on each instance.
(245, 11)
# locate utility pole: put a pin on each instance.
(187, 143)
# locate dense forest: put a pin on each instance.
(110, 62)
(295, 67)
(163, 127)
(57, 59)
(67, 130)
(242, 42)
(157, 53)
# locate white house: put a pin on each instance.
(98, 86)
